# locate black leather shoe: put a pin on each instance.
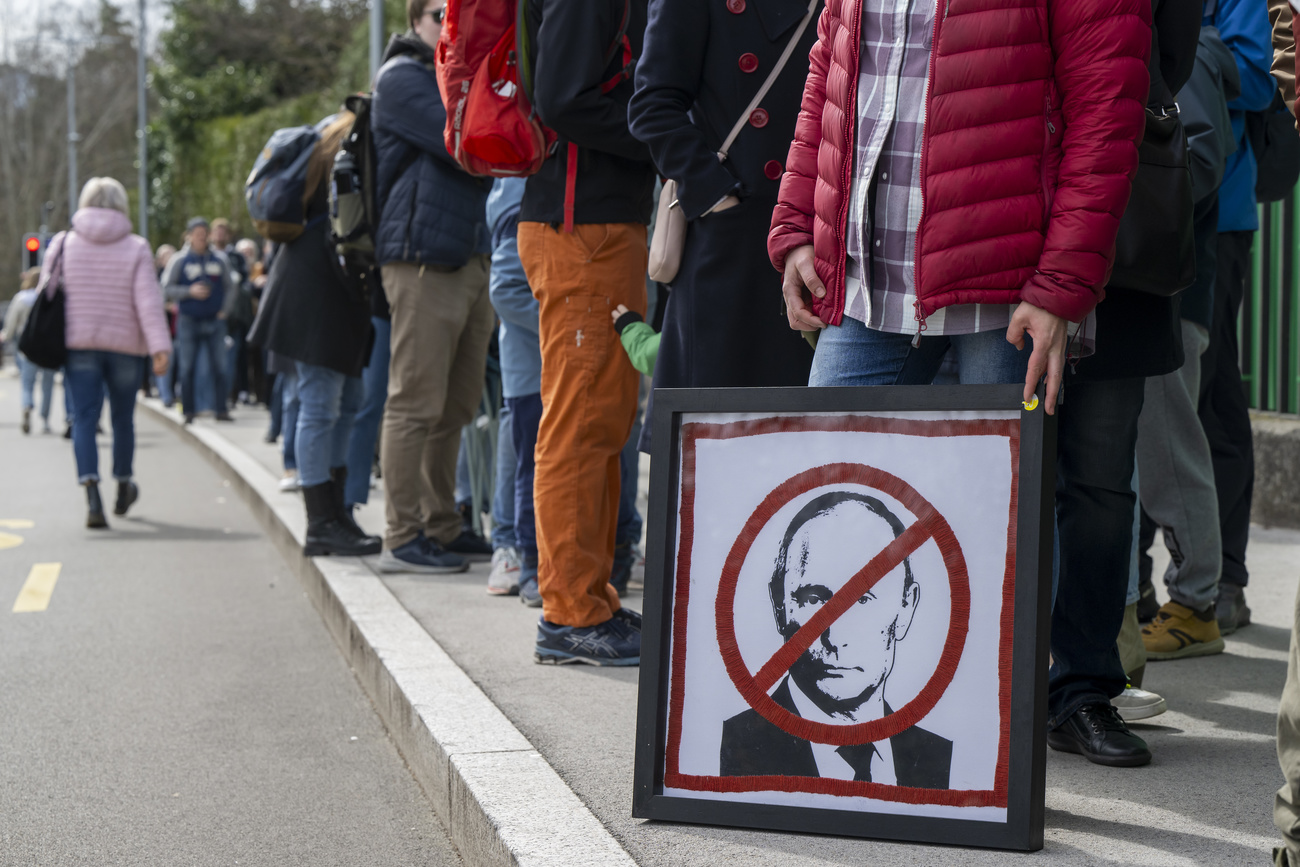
(471, 546)
(94, 508)
(1096, 732)
(326, 533)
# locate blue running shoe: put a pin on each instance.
(608, 643)
(629, 617)
(422, 556)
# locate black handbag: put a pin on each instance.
(44, 338)
(1155, 248)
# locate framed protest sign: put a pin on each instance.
(846, 612)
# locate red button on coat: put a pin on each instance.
(735, 7)
(748, 62)
(758, 119)
(772, 169)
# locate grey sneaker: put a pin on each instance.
(1231, 609)
(1137, 704)
(503, 580)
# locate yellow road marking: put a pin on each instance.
(16, 523)
(37, 589)
(10, 540)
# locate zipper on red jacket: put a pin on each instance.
(851, 121)
(925, 136)
(1048, 192)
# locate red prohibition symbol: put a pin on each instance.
(929, 524)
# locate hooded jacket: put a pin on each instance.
(111, 295)
(1033, 114)
(431, 211)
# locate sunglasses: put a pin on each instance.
(438, 14)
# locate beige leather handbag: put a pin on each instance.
(670, 223)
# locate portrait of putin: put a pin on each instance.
(843, 676)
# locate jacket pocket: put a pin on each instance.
(1049, 171)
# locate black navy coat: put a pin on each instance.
(703, 61)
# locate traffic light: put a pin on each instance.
(33, 248)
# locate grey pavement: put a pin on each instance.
(1205, 800)
(179, 701)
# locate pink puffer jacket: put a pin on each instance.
(1033, 116)
(112, 299)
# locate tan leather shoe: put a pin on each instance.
(1178, 632)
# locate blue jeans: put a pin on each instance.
(503, 497)
(1096, 443)
(289, 406)
(853, 354)
(365, 430)
(525, 419)
(29, 372)
(629, 467)
(89, 373)
(208, 335)
(329, 402)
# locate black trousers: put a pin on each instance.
(1224, 412)
(1096, 445)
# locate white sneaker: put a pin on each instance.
(290, 482)
(503, 580)
(1136, 704)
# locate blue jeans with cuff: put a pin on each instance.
(328, 402)
(88, 376)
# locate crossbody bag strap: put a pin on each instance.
(771, 80)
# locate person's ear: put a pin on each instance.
(911, 596)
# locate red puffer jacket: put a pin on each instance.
(1033, 116)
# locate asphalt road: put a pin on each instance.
(178, 700)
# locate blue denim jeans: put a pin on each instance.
(629, 468)
(289, 406)
(1096, 443)
(208, 335)
(853, 354)
(328, 408)
(29, 373)
(88, 375)
(525, 419)
(365, 430)
(503, 496)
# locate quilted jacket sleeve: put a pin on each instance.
(1101, 50)
(148, 302)
(792, 218)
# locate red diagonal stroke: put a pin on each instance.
(881, 565)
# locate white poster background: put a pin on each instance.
(968, 481)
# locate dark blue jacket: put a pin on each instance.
(1244, 27)
(431, 212)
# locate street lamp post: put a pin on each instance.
(376, 37)
(142, 109)
(72, 134)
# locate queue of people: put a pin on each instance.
(904, 206)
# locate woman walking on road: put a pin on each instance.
(115, 318)
(15, 319)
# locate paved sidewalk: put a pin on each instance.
(1206, 800)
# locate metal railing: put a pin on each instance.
(1270, 313)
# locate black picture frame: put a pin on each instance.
(1026, 769)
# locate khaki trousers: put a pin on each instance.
(442, 325)
(589, 399)
(1286, 806)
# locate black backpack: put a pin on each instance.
(354, 194)
(1277, 150)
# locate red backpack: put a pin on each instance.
(484, 70)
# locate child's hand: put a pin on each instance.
(617, 312)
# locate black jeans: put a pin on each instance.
(1096, 440)
(1224, 412)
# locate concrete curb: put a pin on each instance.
(500, 800)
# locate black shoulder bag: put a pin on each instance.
(1155, 251)
(44, 339)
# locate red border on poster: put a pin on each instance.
(690, 434)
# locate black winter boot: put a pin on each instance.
(339, 476)
(326, 532)
(95, 519)
(127, 493)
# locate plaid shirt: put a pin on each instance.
(885, 197)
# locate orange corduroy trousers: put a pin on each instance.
(589, 401)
